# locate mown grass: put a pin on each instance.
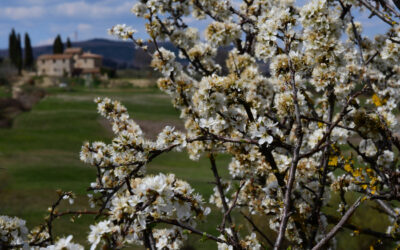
(41, 154)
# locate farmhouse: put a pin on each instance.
(72, 62)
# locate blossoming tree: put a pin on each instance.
(320, 123)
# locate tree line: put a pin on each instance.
(23, 59)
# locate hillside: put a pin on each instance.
(121, 55)
(117, 54)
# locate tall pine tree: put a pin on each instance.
(58, 47)
(28, 52)
(69, 44)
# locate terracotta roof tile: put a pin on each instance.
(54, 56)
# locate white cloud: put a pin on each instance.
(21, 13)
(31, 2)
(99, 10)
(45, 42)
(84, 27)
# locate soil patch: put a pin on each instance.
(23, 101)
(150, 128)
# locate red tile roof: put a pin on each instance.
(54, 56)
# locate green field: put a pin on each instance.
(41, 154)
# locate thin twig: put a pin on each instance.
(338, 226)
(296, 155)
(376, 12)
(223, 199)
(232, 206)
(191, 229)
(257, 229)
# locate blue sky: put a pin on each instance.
(44, 19)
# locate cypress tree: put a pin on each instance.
(18, 55)
(58, 47)
(12, 46)
(28, 52)
(69, 44)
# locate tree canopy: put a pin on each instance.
(58, 46)
(69, 44)
(29, 60)
(15, 50)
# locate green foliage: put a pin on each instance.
(111, 73)
(139, 74)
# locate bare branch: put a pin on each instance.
(376, 12)
(338, 226)
(191, 229)
(296, 155)
(257, 229)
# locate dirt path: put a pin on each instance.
(150, 128)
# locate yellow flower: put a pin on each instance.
(373, 190)
(347, 168)
(376, 100)
(333, 161)
(357, 173)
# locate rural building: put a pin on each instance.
(72, 62)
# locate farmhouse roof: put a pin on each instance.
(54, 56)
(91, 55)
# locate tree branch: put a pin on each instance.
(338, 226)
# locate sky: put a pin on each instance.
(86, 19)
(77, 19)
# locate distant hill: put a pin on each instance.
(121, 55)
(116, 54)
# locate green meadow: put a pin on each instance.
(40, 154)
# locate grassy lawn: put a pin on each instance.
(41, 154)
